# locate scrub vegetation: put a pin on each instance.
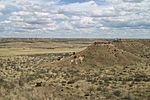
(41, 69)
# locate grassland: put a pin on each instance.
(12, 47)
(40, 69)
(33, 51)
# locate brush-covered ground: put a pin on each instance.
(111, 70)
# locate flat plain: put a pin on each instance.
(50, 69)
(12, 47)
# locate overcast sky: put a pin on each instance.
(75, 18)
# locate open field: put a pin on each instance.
(12, 47)
(32, 51)
(41, 69)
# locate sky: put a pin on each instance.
(75, 18)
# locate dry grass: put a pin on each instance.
(109, 72)
(32, 51)
(13, 47)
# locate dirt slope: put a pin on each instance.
(107, 54)
(140, 48)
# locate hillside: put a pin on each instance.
(107, 54)
(140, 48)
(110, 53)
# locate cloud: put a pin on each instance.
(21, 13)
(83, 22)
(126, 1)
(133, 1)
(76, 16)
(65, 25)
(86, 6)
(1, 14)
(2, 6)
